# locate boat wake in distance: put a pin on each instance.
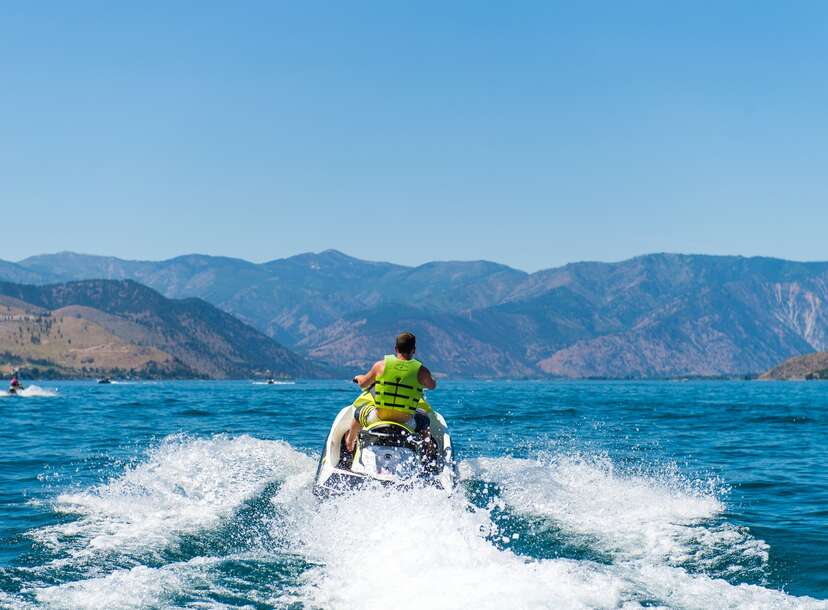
(30, 391)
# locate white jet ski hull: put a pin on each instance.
(381, 465)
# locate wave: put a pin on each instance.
(656, 539)
(439, 556)
(447, 553)
(137, 587)
(195, 413)
(185, 485)
(659, 517)
(781, 419)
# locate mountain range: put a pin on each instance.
(120, 327)
(657, 315)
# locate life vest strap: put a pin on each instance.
(396, 384)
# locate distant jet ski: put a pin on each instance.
(270, 381)
(387, 453)
(104, 380)
(15, 387)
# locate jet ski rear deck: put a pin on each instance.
(387, 454)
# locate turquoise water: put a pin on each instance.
(573, 495)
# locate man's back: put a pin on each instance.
(424, 376)
(398, 395)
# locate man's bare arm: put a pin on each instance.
(425, 379)
(370, 377)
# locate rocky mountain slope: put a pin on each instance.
(652, 316)
(810, 366)
(96, 327)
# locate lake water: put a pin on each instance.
(573, 495)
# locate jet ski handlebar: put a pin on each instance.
(368, 389)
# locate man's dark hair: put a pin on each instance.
(406, 342)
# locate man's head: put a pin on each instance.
(406, 344)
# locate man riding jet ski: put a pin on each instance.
(399, 382)
(14, 385)
(392, 436)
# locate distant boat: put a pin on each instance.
(104, 380)
(270, 381)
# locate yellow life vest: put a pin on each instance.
(398, 388)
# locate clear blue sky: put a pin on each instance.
(532, 134)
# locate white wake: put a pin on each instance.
(30, 392)
(400, 549)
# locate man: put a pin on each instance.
(14, 384)
(399, 381)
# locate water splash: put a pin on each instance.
(658, 518)
(138, 587)
(185, 485)
(386, 548)
(31, 392)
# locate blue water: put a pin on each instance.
(573, 495)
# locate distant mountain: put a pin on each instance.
(95, 327)
(810, 366)
(292, 297)
(12, 272)
(658, 315)
(452, 345)
(666, 315)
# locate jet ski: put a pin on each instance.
(15, 390)
(270, 381)
(104, 380)
(386, 453)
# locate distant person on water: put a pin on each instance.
(14, 384)
(399, 381)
